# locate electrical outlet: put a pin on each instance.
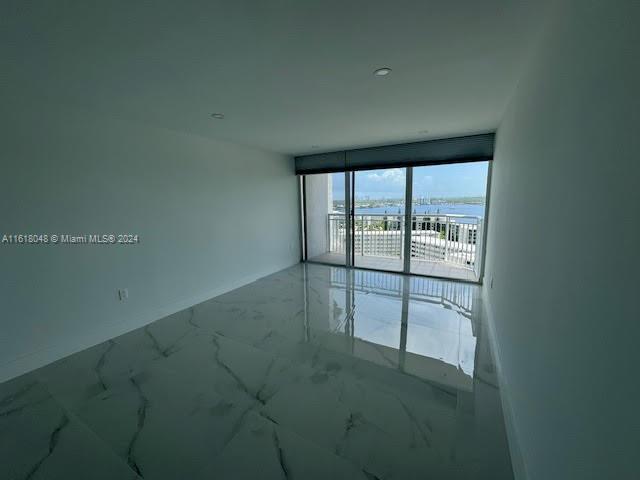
(123, 294)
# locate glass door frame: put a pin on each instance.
(349, 217)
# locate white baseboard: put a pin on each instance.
(517, 460)
(44, 356)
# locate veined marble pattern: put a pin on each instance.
(312, 372)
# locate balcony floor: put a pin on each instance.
(419, 267)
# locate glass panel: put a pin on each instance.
(378, 227)
(447, 223)
(325, 217)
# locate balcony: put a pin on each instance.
(441, 245)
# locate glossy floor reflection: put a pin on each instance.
(312, 372)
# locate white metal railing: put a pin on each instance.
(451, 239)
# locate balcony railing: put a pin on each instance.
(452, 239)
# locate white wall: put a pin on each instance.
(211, 216)
(563, 248)
(318, 206)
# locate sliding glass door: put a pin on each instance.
(448, 211)
(378, 220)
(325, 218)
(422, 220)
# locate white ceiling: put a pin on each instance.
(288, 75)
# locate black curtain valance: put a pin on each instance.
(472, 148)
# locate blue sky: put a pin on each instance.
(457, 180)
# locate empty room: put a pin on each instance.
(374, 240)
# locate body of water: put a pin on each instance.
(443, 208)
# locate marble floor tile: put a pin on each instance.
(376, 430)
(312, 372)
(41, 440)
(77, 378)
(164, 425)
(265, 450)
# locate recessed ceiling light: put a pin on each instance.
(217, 116)
(381, 72)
